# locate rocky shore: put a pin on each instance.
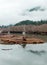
(13, 39)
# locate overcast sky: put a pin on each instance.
(13, 11)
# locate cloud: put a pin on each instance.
(13, 11)
(38, 8)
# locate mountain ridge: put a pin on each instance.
(29, 22)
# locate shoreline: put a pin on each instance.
(13, 39)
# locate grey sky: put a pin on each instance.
(13, 11)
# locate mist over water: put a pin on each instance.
(17, 55)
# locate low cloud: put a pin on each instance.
(38, 8)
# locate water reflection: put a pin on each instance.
(37, 52)
(30, 55)
(23, 45)
(7, 49)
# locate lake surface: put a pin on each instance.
(30, 55)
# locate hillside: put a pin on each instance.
(29, 22)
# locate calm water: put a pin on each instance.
(30, 55)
